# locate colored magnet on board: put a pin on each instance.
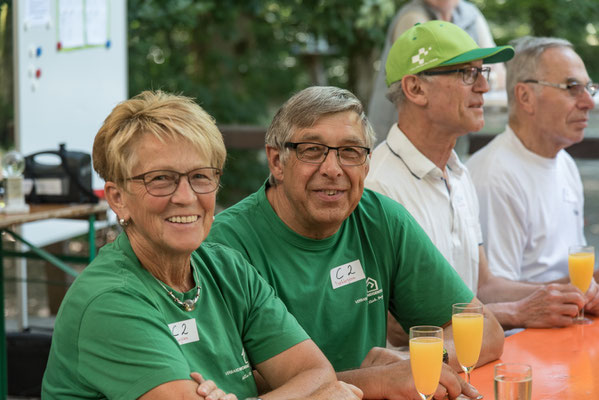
(58, 46)
(38, 51)
(108, 44)
(38, 73)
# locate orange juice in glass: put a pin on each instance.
(581, 262)
(467, 322)
(426, 358)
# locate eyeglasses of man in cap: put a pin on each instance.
(469, 74)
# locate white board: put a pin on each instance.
(67, 78)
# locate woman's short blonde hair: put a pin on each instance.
(163, 115)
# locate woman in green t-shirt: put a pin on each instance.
(147, 312)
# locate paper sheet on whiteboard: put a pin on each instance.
(96, 22)
(37, 12)
(70, 23)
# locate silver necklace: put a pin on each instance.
(187, 305)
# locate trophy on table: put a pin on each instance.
(13, 165)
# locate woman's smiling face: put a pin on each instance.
(175, 224)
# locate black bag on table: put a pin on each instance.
(69, 181)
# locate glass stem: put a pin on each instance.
(467, 371)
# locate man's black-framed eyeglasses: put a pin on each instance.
(316, 153)
(469, 74)
(575, 88)
(164, 182)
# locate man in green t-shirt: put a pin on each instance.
(340, 257)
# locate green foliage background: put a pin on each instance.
(241, 59)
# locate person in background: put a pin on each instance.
(149, 310)
(529, 188)
(440, 99)
(381, 112)
(340, 256)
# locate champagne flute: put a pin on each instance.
(581, 262)
(467, 321)
(426, 358)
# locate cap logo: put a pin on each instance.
(419, 57)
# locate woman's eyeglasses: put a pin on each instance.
(165, 182)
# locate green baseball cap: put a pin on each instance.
(434, 44)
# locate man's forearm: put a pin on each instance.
(498, 290)
(493, 339)
(367, 379)
(507, 314)
(301, 385)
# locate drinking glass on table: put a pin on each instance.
(467, 321)
(513, 381)
(581, 262)
(426, 358)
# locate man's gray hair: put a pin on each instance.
(525, 64)
(305, 108)
(395, 94)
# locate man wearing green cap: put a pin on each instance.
(341, 257)
(437, 80)
(381, 112)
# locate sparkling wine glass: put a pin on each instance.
(426, 358)
(581, 262)
(467, 321)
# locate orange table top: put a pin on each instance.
(565, 362)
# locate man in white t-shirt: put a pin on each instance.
(438, 91)
(529, 188)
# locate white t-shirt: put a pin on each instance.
(447, 211)
(531, 209)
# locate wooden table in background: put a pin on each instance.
(565, 362)
(39, 212)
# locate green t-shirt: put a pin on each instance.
(341, 287)
(118, 334)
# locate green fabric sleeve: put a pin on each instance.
(125, 347)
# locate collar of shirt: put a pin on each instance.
(542, 162)
(415, 161)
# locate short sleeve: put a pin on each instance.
(123, 354)
(270, 328)
(426, 285)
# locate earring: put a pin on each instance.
(123, 223)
